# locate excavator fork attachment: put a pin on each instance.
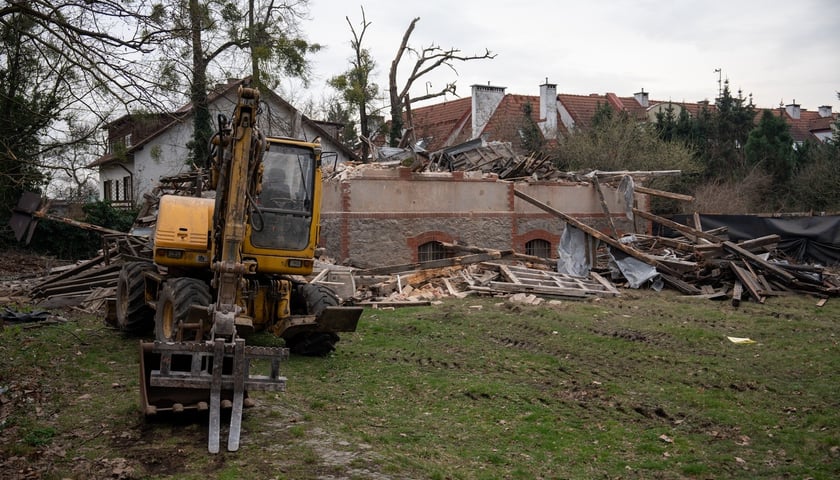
(207, 375)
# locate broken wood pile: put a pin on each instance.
(493, 157)
(706, 263)
(87, 284)
(475, 271)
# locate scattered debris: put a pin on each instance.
(10, 315)
(701, 264)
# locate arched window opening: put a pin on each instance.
(430, 251)
(538, 248)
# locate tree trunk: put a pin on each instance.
(202, 129)
(255, 63)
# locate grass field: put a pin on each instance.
(646, 385)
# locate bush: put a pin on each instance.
(732, 196)
(73, 243)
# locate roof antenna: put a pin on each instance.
(720, 85)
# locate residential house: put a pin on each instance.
(809, 125)
(143, 148)
(491, 113)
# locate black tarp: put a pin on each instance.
(814, 239)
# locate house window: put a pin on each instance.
(128, 191)
(118, 190)
(538, 248)
(430, 251)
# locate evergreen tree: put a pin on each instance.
(666, 123)
(530, 135)
(731, 124)
(770, 146)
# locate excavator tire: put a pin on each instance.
(134, 315)
(173, 305)
(314, 344)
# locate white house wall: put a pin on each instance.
(167, 153)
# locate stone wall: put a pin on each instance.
(381, 216)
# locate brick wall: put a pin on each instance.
(381, 216)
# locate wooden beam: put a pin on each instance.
(756, 260)
(595, 233)
(749, 282)
(663, 194)
(684, 229)
(737, 290)
(604, 207)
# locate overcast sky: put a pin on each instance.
(778, 50)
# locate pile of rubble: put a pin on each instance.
(488, 272)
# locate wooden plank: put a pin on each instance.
(698, 225)
(606, 283)
(663, 194)
(530, 278)
(507, 272)
(737, 290)
(416, 278)
(760, 243)
(756, 260)
(393, 303)
(749, 282)
(684, 229)
(681, 285)
(452, 290)
(542, 290)
(446, 262)
(672, 243)
(74, 271)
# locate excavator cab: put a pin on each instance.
(283, 220)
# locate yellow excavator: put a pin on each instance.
(229, 265)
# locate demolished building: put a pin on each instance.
(382, 216)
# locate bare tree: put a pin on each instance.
(99, 40)
(428, 59)
(58, 63)
(355, 85)
(66, 166)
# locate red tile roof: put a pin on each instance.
(443, 124)
(808, 123)
(450, 123)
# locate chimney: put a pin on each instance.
(485, 99)
(825, 111)
(792, 109)
(642, 98)
(548, 109)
